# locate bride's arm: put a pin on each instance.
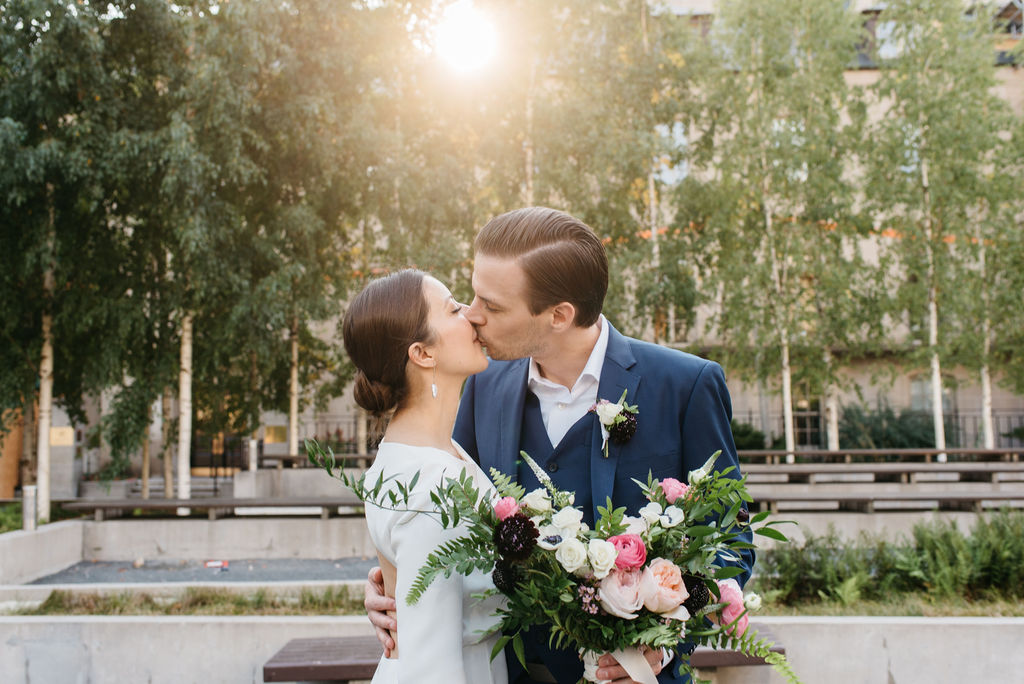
(429, 632)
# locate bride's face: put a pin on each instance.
(458, 350)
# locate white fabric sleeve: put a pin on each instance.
(430, 631)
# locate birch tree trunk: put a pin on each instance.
(987, 429)
(831, 407)
(293, 392)
(185, 413)
(46, 375)
(165, 443)
(782, 330)
(528, 142)
(933, 317)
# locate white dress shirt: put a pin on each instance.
(560, 406)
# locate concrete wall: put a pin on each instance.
(158, 650)
(25, 556)
(286, 482)
(232, 650)
(228, 538)
(880, 650)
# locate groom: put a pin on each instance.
(540, 278)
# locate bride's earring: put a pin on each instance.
(433, 385)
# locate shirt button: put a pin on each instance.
(561, 405)
(552, 467)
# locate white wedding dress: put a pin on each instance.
(448, 635)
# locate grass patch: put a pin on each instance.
(200, 601)
(10, 517)
(902, 605)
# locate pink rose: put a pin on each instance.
(673, 489)
(506, 507)
(662, 587)
(733, 596)
(619, 593)
(632, 552)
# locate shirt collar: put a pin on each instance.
(595, 363)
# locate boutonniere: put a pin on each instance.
(618, 420)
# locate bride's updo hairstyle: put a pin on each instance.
(390, 314)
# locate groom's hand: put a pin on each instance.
(609, 668)
(377, 607)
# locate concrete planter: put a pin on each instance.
(112, 489)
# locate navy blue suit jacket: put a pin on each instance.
(684, 417)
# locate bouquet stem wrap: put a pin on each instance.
(632, 661)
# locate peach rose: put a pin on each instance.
(733, 596)
(662, 587)
(632, 552)
(619, 593)
(673, 489)
(506, 507)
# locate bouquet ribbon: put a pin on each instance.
(632, 661)
(635, 665)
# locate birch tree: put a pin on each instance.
(767, 197)
(933, 144)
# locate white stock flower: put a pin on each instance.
(651, 512)
(752, 602)
(606, 412)
(568, 519)
(537, 501)
(672, 516)
(704, 472)
(602, 554)
(634, 525)
(571, 554)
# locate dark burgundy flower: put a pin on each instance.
(515, 537)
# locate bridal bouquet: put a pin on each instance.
(630, 582)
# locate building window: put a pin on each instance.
(921, 395)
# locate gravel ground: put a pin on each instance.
(247, 570)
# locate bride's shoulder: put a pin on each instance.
(394, 458)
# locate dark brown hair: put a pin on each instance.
(382, 321)
(562, 257)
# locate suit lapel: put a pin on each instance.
(511, 398)
(615, 377)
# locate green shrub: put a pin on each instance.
(883, 428)
(10, 517)
(746, 436)
(938, 560)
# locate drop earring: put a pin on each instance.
(433, 384)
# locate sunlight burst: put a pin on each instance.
(465, 37)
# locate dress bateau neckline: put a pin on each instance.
(459, 454)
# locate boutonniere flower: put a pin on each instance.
(618, 420)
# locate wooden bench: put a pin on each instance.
(865, 501)
(984, 471)
(218, 506)
(346, 659)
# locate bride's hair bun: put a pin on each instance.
(373, 395)
(382, 321)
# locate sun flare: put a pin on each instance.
(465, 37)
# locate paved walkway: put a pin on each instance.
(253, 570)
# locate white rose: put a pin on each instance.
(672, 516)
(571, 554)
(602, 554)
(634, 525)
(568, 519)
(537, 500)
(606, 412)
(651, 512)
(752, 602)
(551, 537)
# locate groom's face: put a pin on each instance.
(499, 310)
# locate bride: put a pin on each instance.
(413, 347)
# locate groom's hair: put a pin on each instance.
(564, 260)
